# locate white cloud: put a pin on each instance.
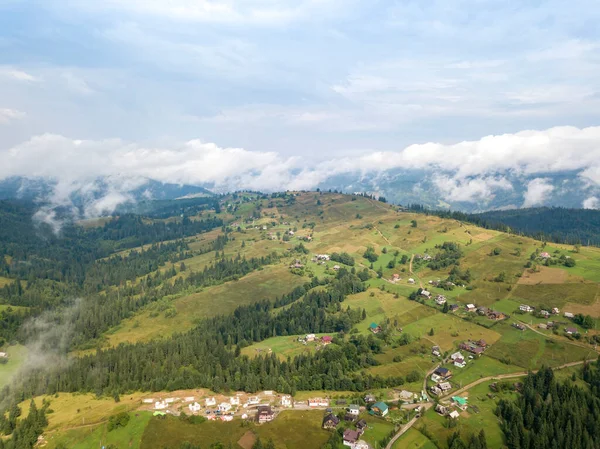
(592, 202)
(9, 115)
(469, 171)
(16, 74)
(538, 191)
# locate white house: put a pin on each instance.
(268, 392)
(454, 414)
(445, 386)
(426, 293)
(253, 400)
(234, 400)
(407, 396)
(411, 281)
(189, 399)
(3, 354)
(195, 407)
(160, 405)
(318, 402)
(440, 300)
(286, 401)
(227, 418)
(525, 308)
(555, 311)
(323, 257)
(360, 444)
(460, 363)
(457, 355)
(148, 401)
(310, 337)
(569, 315)
(224, 407)
(471, 307)
(353, 410)
(210, 402)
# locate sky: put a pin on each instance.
(275, 94)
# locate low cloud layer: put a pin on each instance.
(469, 171)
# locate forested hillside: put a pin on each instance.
(253, 297)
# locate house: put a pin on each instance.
(426, 293)
(350, 418)
(407, 396)
(555, 311)
(453, 307)
(411, 281)
(209, 402)
(148, 401)
(571, 330)
(224, 407)
(189, 399)
(341, 402)
(226, 418)
(481, 343)
(234, 400)
(470, 307)
(310, 337)
(369, 398)
(160, 405)
(336, 267)
(454, 414)
(436, 351)
(290, 232)
(264, 414)
(361, 425)
(519, 326)
(297, 265)
(441, 409)
(253, 400)
(170, 400)
(375, 328)
(318, 402)
(492, 315)
(286, 401)
(353, 409)
(268, 392)
(350, 437)
(457, 355)
(482, 310)
(460, 363)
(379, 408)
(436, 391)
(569, 315)
(395, 277)
(525, 308)
(545, 313)
(444, 373)
(330, 421)
(444, 386)
(323, 257)
(440, 300)
(195, 407)
(327, 339)
(542, 326)
(545, 255)
(460, 402)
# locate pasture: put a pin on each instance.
(268, 283)
(17, 355)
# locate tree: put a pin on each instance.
(431, 332)
(413, 223)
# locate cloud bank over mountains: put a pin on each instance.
(528, 166)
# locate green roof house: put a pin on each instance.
(375, 328)
(460, 400)
(380, 408)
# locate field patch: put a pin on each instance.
(283, 347)
(413, 439)
(544, 275)
(151, 323)
(556, 295)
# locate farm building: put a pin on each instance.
(525, 308)
(286, 401)
(327, 339)
(209, 402)
(350, 437)
(454, 414)
(330, 421)
(470, 308)
(519, 326)
(375, 328)
(353, 409)
(379, 408)
(234, 400)
(195, 407)
(264, 414)
(571, 330)
(224, 407)
(440, 300)
(569, 315)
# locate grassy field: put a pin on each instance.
(284, 347)
(556, 295)
(413, 439)
(377, 430)
(290, 430)
(268, 283)
(16, 356)
(98, 436)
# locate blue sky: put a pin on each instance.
(311, 79)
